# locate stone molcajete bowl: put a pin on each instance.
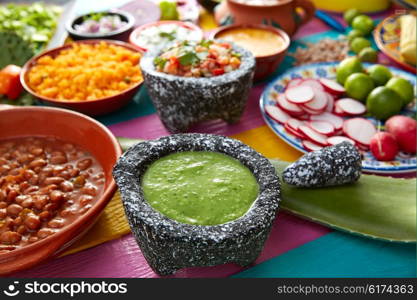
(169, 245)
(183, 101)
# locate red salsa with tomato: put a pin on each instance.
(45, 184)
(198, 59)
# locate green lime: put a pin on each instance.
(359, 43)
(383, 103)
(368, 54)
(346, 67)
(358, 86)
(350, 14)
(380, 74)
(403, 88)
(354, 33)
(363, 23)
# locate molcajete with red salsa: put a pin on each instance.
(45, 184)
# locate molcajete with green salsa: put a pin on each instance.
(200, 188)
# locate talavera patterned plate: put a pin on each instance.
(403, 163)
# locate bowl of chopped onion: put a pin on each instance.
(114, 25)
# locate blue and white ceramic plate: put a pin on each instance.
(403, 163)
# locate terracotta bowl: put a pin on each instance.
(75, 128)
(90, 107)
(135, 33)
(265, 65)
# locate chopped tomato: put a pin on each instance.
(174, 60)
(218, 71)
(225, 45)
(10, 81)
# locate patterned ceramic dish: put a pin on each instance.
(387, 38)
(404, 163)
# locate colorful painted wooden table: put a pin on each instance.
(295, 248)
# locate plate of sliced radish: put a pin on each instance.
(309, 110)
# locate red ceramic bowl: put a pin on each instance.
(75, 128)
(265, 65)
(90, 107)
(135, 33)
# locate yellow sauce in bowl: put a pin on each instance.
(260, 42)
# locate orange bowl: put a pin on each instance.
(75, 128)
(265, 65)
(90, 107)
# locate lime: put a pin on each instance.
(350, 14)
(353, 34)
(379, 74)
(383, 103)
(403, 88)
(363, 23)
(358, 86)
(357, 44)
(346, 67)
(368, 54)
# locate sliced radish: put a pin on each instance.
(294, 82)
(300, 94)
(329, 117)
(332, 86)
(322, 127)
(313, 83)
(330, 103)
(288, 106)
(339, 139)
(304, 117)
(338, 111)
(294, 123)
(311, 111)
(276, 113)
(351, 107)
(313, 136)
(319, 101)
(294, 132)
(360, 130)
(310, 146)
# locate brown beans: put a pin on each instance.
(3, 195)
(56, 223)
(89, 190)
(32, 222)
(45, 215)
(11, 195)
(58, 160)
(10, 237)
(44, 185)
(85, 199)
(56, 196)
(28, 203)
(14, 210)
(36, 151)
(44, 232)
(40, 201)
(66, 186)
(39, 162)
(84, 163)
(53, 180)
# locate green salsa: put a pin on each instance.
(200, 188)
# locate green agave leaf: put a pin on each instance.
(376, 207)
